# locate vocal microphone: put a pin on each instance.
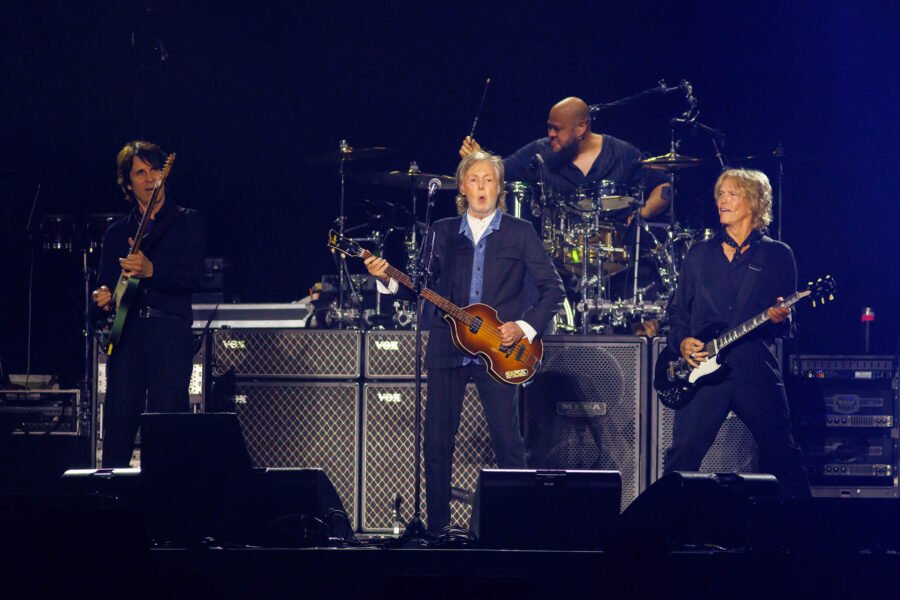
(433, 186)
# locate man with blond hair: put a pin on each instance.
(486, 256)
(712, 293)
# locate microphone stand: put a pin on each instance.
(779, 154)
(415, 531)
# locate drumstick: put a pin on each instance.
(487, 82)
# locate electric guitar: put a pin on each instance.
(473, 328)
(676, 381)
(127, 287)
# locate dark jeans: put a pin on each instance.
(764, 410)
(149, 370)
(446, 390)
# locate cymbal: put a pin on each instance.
(671, 161)
(404, 179)
(333, 158)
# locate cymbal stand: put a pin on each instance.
(342, 266)
(411, 241)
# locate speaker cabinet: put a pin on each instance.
(392, 354)
(304, 425)
(733, 451)
(387, 462)
(583, 409)
(288, 353)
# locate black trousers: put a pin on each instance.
(149, 370)
(764, 410)
(446, 391)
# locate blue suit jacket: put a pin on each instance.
(520, 281)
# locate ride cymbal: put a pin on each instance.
(333, 158)
(671, 161)
(404, 179)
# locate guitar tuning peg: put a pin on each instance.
(831, 296)
(814, 303)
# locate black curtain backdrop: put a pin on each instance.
(246, 92)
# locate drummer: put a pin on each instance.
(575, 157)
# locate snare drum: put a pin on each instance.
(611, 199)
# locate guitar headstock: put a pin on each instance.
(343, 245)
(822, 289)
(167, 167)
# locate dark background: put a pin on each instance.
(249, 91)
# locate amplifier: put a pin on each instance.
(847, 409)
(733, 451)
(304, 425)
(863, 367)
(387, 459)
(392, 354)
(288, 353)
(41, 411)
(584, 407)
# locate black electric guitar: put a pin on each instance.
(474, 328)
(127, 287)
(676, 381)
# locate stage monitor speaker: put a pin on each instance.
(733, 451)
(196, 476)
(288, 353)
(388, 440)
(304, 425)
(524, 509)
(584, 408)
(33, 463)
(690, 509)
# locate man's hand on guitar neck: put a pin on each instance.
(778, 314)
(136, 265)
(102, 297)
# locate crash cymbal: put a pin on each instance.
(348, 153)
(671, 161)
(404, 179)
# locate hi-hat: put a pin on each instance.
(671, 161)
(404, 179)
(333, 158)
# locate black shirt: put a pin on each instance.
(177, 252)
(618, 161)
(707, 290)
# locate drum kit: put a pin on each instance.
(620, 270)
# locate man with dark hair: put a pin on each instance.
(712, 291)
(577, 157)
(481, 256)
(150, 367)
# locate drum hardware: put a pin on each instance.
(344, 154)
(404, 314)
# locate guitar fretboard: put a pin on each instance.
(430, 295)
(732, 335)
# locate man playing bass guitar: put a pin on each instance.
(481, 256)
(151, 365)
(712, 293)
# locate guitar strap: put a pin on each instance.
(160, 228)
(753, 271)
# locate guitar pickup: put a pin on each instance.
(520, 351)
(476, 325)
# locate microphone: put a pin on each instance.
(539, 158)
(433, 186)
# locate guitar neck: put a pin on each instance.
(733, 335)
(430, 295)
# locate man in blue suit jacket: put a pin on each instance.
(487, 256)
